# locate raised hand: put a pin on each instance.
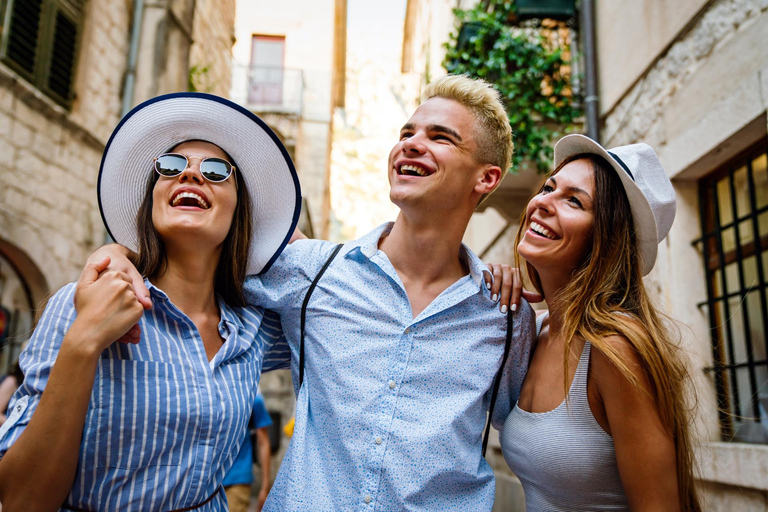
(107, 308)
(507, 287)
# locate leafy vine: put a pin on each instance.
(529, 65)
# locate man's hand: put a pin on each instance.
(108, 308)
(119, 261)
(507, 287)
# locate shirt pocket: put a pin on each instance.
(143, 413)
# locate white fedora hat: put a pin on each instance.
(651, 196)
(161, 123)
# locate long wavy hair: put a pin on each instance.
(606, 297)
(230, 273)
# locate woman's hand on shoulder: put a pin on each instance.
(645, 449)
(107, 308)
(507, 287)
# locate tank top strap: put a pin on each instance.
(540, 322)
(578, 392)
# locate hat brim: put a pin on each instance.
(161, 123)
(642, 214)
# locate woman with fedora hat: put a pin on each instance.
(602, 421)
(204, 192)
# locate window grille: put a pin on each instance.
(733, 204)
(40, 42)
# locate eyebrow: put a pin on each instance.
(435, 128)
(573, 189)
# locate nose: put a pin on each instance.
(414, 144)
(542, 202)
(192, 172)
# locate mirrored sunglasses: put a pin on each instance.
(213, 169)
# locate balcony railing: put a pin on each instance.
(268, 89)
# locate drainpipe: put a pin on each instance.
(130, 72)
(133, 53)
(591, 99)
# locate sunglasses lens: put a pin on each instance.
(170, 165)
(215, 169)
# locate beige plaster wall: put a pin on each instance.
(635, 32)
(308, 28)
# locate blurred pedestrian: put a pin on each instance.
(255, 447)
(602, 421)
(8, 385)
(188, 180)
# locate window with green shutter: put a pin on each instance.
(39, 40)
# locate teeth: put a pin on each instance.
(200, 201)
(413, 168)
(541, 230)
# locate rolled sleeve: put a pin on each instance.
(36, 362)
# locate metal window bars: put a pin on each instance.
(733, 207)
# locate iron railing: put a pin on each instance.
(268, 89)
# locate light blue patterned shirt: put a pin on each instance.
(392, 410)
(164, 424)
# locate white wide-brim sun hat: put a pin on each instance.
(157, 125)
(651, 195)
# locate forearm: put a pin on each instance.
(38, 471)
(265, 460)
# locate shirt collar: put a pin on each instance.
(227, 313)
(368, 245)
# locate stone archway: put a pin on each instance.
(23, 290)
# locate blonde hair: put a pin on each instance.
(494, 145)
(606, 297)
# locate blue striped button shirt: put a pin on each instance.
(392, 410)
(164, 424)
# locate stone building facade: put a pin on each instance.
(50, 150)
(690, 79)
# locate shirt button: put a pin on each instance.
(407, 330)
(368, 498)
(378, 440)
(392, 384)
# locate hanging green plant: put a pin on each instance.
(531, 68)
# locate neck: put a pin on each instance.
(553, 286)
(425, 251)
(189, 279)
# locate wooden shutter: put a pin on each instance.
(23, 33)
(41, 42)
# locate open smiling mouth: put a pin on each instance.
(189, 199)
(541, 230)
(413, 170)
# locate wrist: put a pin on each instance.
(83, 341)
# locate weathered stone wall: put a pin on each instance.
(211, 52)
(49, 158)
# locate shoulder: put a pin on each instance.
(617, 368)
(305, 254)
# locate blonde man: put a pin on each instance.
(403, 341)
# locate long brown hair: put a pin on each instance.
(606, 297)
(230, 272)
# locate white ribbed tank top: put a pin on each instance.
(563, 458)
